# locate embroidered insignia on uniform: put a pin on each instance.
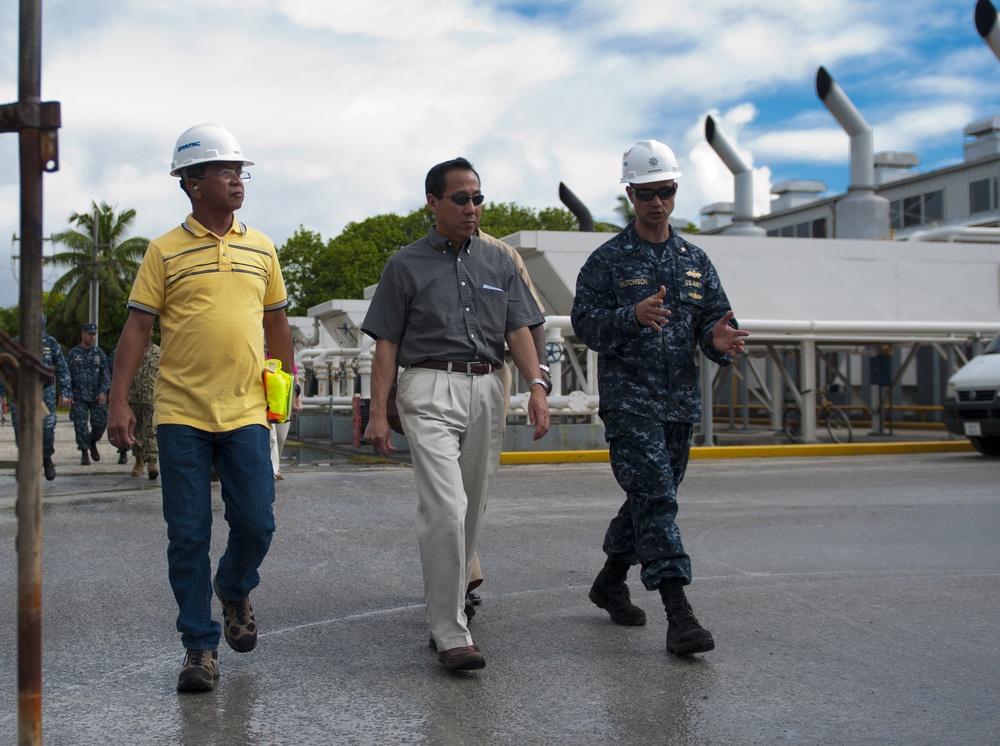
(693, 273)
(696, 296)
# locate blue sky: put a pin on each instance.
(344, 106)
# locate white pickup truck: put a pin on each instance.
(972, 401)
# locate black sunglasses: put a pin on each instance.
(461, 199)
(646, 195)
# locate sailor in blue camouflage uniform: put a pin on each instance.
(645, 302)
(88, 366)
(52, 357)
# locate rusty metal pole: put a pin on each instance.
(29, 488)
(37, 124)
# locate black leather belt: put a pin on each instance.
(469, 369)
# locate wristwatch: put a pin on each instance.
(541, 382)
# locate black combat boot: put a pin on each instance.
(49, 468)
(84, 458)
(94, 453)
(611, 594)
(684, 635)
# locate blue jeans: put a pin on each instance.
(242, 460)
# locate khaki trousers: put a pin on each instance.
(454, 426)
(507, 381)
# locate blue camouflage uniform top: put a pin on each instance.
(52, 356)
(641, 370)
(90, 372)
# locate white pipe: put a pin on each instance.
(987, 26)
(742, 173)
(859, 131)
(784, 326)
(314, 355)
(573, 404)
(957, 234)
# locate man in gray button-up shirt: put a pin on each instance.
(443, 309)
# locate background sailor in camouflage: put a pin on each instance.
(52, 356)
(88, 367)
(140, 400)
(122, 450)
(646, 301)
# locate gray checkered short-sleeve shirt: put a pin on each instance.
(437, 303)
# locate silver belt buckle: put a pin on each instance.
(468, 368)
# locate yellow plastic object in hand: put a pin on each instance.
(279, 390)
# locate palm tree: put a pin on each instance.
(118, 260)
(624, 210)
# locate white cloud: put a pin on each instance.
(344, 106)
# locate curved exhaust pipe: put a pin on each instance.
(862, 213)
(743, 174)
(850, 119)
(987, 26)
(575, 205)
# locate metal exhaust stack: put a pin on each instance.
(743, 224)
(575, 205)
(862, 213)
(987, 26)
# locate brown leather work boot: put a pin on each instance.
(200, 672)
(239, 623)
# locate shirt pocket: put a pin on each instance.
(491, 308)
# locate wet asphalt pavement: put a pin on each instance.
(854, 600)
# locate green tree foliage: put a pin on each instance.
(314, 271)
(344, 266)
(10, 320)
(52, 303)
(303, 257)
(504, 218)
(118, 258)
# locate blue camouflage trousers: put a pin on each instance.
(89, 420)
(48, 421)
(648, 458)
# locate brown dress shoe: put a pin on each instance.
(464, 658)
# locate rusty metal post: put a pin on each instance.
(37, 124)
(29, 487)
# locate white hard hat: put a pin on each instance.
(648, 161)
(204, 143)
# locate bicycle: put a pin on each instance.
(838, 424)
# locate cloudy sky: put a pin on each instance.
(345, 105)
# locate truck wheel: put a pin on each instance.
(987, 446)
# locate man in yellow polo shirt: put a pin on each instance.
(216, 286)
